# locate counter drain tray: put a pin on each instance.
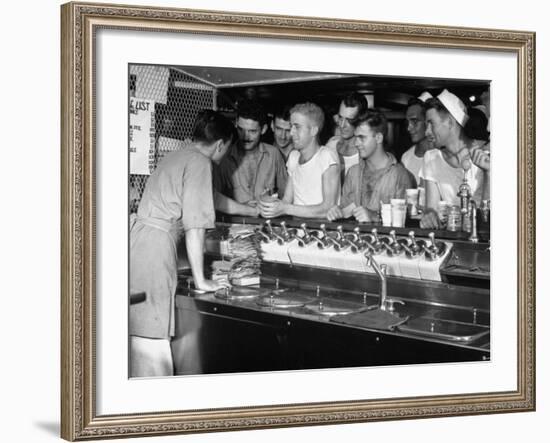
(330, 307)
(286, 301)
(240, 293)
(445, 330)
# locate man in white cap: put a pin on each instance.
(458, 158)
(413, 158)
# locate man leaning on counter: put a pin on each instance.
(178, 196)
(313, 185)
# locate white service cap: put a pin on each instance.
(455, 106)
(425, 96)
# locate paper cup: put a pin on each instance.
(385, 212)
(398, 212)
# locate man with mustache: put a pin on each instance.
(252, 168)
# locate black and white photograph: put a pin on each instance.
(290, 220)
(273, 219)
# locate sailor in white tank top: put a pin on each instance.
(307, 178)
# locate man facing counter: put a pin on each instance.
(280, 125)
(413, 158)
(178, 195)
(459, 157)
(251, 166)
(377, 177)
(313, 186)
(351, 107)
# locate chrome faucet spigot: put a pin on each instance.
(411, 246)
(269, 228)
(328, 239)
(415, 245)
(435, 249)
(265, 238)
(340, 231)
(322, 243)
(339, 242)
(346, 241)
(473, 214)
(408, 251)
(431, 249)
(380, 271)
(384, 304)
(284, 231)
(412, 241)
(358, 244)
(307, 238)
(272, 234)
(307, 235)
(376, 240)
(373, 243)
(355, 243)
(393, 247)
(430, 254)
(288, 234)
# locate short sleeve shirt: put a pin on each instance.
(412, 162)
(243, 181)
(180, 190)
(448, 179)
(368, 188)
(307, 179)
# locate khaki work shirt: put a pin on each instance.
(236, 179)
(367, 188)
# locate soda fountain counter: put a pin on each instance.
(335, 295)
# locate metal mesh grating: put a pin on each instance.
(177, 100)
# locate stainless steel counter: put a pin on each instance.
(304, 316)
(440, 323)
(246, 334)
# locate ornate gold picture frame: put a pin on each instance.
(80, 23)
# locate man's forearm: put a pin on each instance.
(194, 241)
(307, 211)
(227, 205)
